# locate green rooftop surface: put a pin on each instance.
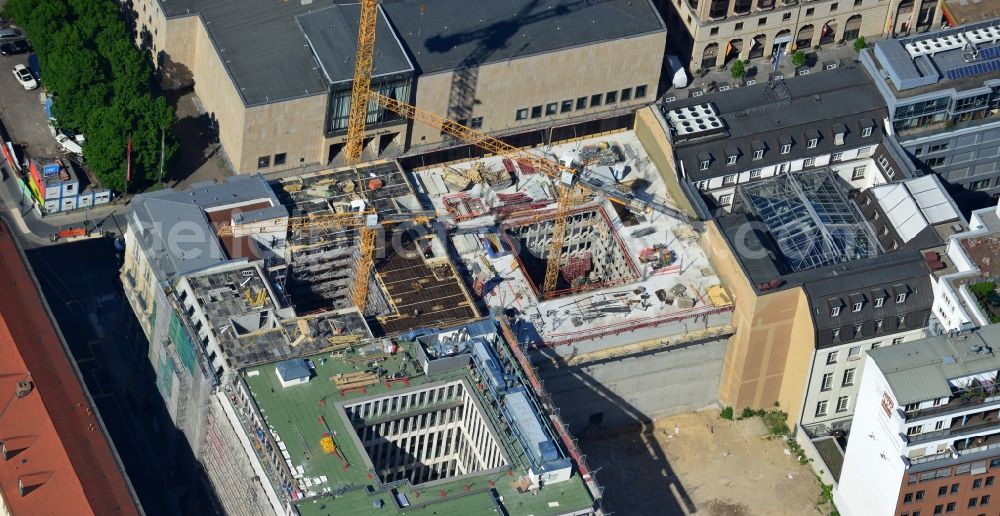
(293, 413)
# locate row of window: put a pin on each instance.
(566, 106)
(854, 352)
(847, 381)
(265, 161)
(879, 301)
(822, 406)
(950, 507)
(879, 324)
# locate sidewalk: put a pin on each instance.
(760, 69)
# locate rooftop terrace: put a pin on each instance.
(297, 418)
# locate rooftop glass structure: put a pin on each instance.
(810, 218)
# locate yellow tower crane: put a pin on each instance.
(568, 193)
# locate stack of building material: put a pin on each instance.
(577, 267)
(603, 154)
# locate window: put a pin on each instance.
(755, 173)
(521, 114)
(908, 497)
(827, 382)
(836, 156)
(879, 301)
(551, 108)
(536, 112)
(901, 320)
(876, 345)
(264, 162)
(858, 173)
(640, 91)
(914, 430)
(715, 31)
(730, 179)
(989, 481)
(758, 154)
(954, 488)
(938, 147)
(897, 340)
(831, 358)
(878, 324)
(943, 490)
(920, 495)
(857, 3)
(848, 378)
(786, 17)
(979, 185)
(836, 333)
(567, 106)
(939, 425)
(934, 162)
(739, 26)
(581, 103)
(842, 404)
(477, 122)
(731, 160)
(821, 408)
(950, 507)
(985, 499)
(810, 11)
(761, 22)
(808, 162)
(938, 509)
(901, 297)
(866, 132)
(812, 143)
(611, 97)
(595, 100)
(786, 148)
(857, 306)
(833, 7)
(854, 353)
(726, 199)
(626, 94)
(704, 165)
(279, 159)
(977, 483)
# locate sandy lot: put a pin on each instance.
(698, 463)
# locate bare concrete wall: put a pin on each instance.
(635, 390)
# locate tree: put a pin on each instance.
(101, 83)
(798, 58)
(860, 44)
(738, 70)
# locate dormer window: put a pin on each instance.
(704, 160)
(901, 297)
(839, 132)
(879, 301)
(901, 292)
(856, 307)
(704, 165)
(812, 143)
(758, 154)
(866, 132)
(731, 160)
(758, 150)
(835, 312)
(786, 148)
(731, 154)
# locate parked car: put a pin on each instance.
(24, 77)
(18, 46)
(9, 34)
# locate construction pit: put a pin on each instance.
(638, 317)
(593, 255)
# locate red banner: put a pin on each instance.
(128, 160)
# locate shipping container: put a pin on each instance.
(102, 197)
(52, 206)
(85, 200)
(68, 203)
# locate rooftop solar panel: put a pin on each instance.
(974, 69)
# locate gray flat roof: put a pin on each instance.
(452, 34)
(333, 35)
(175, 229)
(269, 59)
(919, 370)
(912, 76)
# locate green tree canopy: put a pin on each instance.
(860, 44)
(798, 58)
(101, 83)
(738, 70)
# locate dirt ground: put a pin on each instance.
(697, 463)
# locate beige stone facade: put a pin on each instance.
(724, 30)
(567, 86)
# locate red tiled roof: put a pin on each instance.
(58, 461)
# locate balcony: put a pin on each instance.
(955, 404)
(976, 423)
